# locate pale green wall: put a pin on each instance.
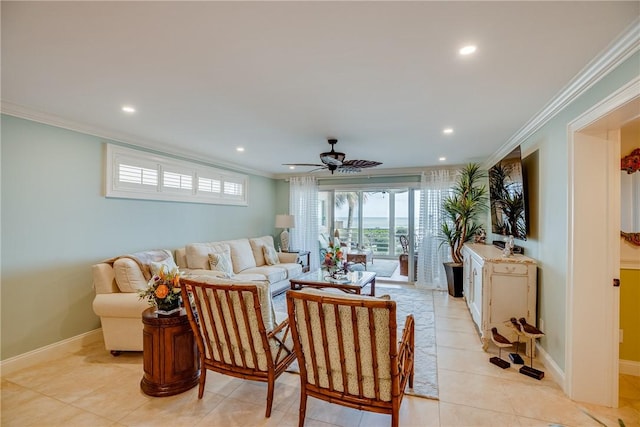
(282, 197)
(56, 224)
(546, 154)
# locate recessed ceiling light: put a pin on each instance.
(240, 149)
(447, 131)
(467, 50)
(128, 109)
(442, 159)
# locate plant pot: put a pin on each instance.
(454, 278)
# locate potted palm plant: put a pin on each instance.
(461, 210)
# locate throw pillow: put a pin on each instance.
(221, 262)
(270, 255)
(128, 275)
(168, 264)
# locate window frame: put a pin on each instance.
(114, 188)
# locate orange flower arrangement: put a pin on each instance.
(333, 259)
(163, 289)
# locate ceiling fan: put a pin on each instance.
(334, 161)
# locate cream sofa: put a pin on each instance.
(116, 283)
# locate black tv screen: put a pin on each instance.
(507, 197)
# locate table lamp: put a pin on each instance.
(285, 222)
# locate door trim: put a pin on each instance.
(611, 113)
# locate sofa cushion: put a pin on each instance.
(180, 256)
(198, 253)
(241, 255)
(270, 255)
(257, 246)
(188, 273)
(293, 269)
(129, 277)
(273, 273)
(241, 277)
(221, 262)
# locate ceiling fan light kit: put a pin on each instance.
(335, 161)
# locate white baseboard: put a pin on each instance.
(552, 368)
(49, 352)
(629, 367)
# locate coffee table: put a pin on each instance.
(354, 282)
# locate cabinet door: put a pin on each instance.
(466, 276)
(151, 342)
(476, 291)
(180, 354)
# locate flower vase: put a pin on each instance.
(336, 272)
(330, 272)
(167, 307)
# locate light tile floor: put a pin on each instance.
(92, 388)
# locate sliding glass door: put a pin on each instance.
(347, 217)
(372, 219)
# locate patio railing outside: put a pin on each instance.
(376, 239)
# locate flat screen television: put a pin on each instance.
(507, 196)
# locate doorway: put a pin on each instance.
(593, 302)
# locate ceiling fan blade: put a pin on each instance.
(361, 163)
(302, 164)
(317, 169)
(348, 169)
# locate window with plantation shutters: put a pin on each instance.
(209, 185)
(129, 174)
(232, 189)
(176, 181)
(137, 174)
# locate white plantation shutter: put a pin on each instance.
(139, 175)
(209, 185)
(177, 181)
(233, 189)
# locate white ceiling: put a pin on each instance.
(279, 78)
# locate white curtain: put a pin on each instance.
(303, 205)
(435, 185)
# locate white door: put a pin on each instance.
(593, 303)
(593, 311)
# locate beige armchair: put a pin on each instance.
(348, 352)
(235, 330)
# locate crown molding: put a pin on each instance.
(22, 112)
(617, 52)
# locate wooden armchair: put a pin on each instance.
(235, 331)
(348, 352)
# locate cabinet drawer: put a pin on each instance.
(510, 268)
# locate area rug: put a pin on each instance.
(383, 267)
(419, 302)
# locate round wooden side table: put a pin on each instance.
(171, 362)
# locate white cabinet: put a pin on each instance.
(498, 288)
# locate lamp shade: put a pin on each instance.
(285, 221)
